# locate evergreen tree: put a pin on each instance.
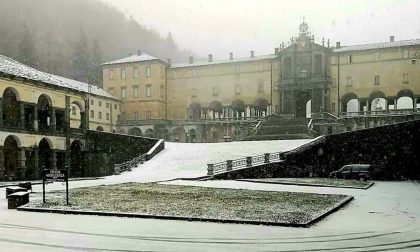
(95, 70)
(26, 47)
(80, 61)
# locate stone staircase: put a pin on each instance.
(275, 127)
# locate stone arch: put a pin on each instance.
(149, 132)
(11, 161)
(11, 112)
(77, 115)
(350, 103)
(405, 92)
(377, 101)
(77, 167)
(99, 128)
(216, 106)
(405, 99)
(194, 111)
(45, 154)
(192, 135)
(44, 106)
(238, 107)
(179, 134)
(135, 131)
(303, 104)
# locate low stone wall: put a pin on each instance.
(390, 149)
(103, 150)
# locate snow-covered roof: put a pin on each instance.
(214, 62)
(400, 43)
(133, 58)
(12, 67)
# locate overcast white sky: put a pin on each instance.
(223, 26)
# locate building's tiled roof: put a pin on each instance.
(400, 43)
(133, 58)
(214, 62)
(11, 67)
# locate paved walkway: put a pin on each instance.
(383, 218)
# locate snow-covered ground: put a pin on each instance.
(381, 218)
(188, 160)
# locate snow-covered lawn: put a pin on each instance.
(197, 202)
(189, 160)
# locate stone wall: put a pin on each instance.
(103, 150)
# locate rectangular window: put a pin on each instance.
(107, 116)
(115, 106)
(135, 72)
(174, 74)
(136, 92)
(173, 93)
(122, 72)
(333, 106)
(161, 72)
(73, 110)
(148, 71)
(123, 93)
(92, 102)
(148, 90)
(111, 74)
(405, 78)
(162, 91)
(350, 58)
(376, 80)
(92, 114)
(215, 91)
(260, 86)
(99, 103)
(136, 115)
(107, 105)
(148, 114)
(349, 82)
(99, 115)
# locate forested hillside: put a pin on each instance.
(72, 37)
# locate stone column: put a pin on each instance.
(35, 118)
(282, 102)
(1, 163)
(414, 104)
(323, 99)
(22, 115)
(53, 121)
(22, 164)
(1, 113)
(37, 169)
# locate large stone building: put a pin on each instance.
(217, 100)
(43, 116)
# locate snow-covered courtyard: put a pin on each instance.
(379, 219)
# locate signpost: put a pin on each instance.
(60, 175)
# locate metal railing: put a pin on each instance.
(126, 166)
(246, 162)
(380, 113)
